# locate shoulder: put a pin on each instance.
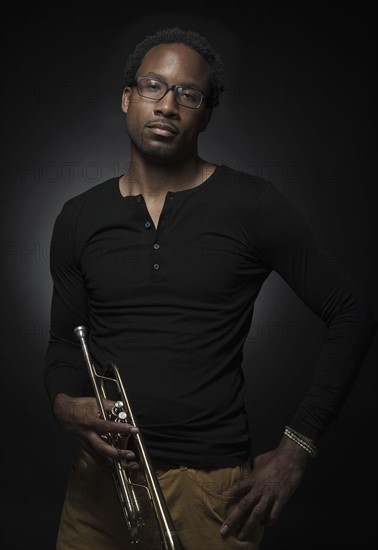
(264, 193)
(243, 192)
(239, 180)
(84, 207)
(271, 212)
(91, 198)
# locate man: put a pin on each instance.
(164, 264)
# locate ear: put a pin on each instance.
(206, 120)
(126, 94)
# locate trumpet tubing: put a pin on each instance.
(137, 519)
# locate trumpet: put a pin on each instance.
(126, 488)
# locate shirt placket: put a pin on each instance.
(157, 262)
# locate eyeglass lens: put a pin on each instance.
(156, 89)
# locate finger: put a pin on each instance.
(107, 462)
(239, 512)
(90, 409)
(258, 516)
(238, 489)
(109, 451)
(108, 403)
(126, 459)
(274, 514)
(99, 459)
(105, 426)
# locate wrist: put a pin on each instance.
(302, 441)
(59, 400)
(292, 452)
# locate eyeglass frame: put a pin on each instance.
(169, 87)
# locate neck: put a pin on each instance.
(155, 180)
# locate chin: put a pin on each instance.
(158, 153)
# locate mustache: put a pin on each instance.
(162, 123)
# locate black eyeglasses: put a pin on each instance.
(156, 89)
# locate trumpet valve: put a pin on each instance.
(118, 413)
(121, 417)
(118, 406)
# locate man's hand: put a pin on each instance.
(275, 476)
(79, 416)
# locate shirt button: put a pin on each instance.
(156, 266)
(147, 225)
(139, 199)
(156, 246)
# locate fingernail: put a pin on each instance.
(134, 430)
(224, 530)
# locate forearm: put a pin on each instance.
(350, 334)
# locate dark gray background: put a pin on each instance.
(299, 110)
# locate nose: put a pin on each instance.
(167, 104)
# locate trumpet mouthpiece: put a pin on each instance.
(80, 332)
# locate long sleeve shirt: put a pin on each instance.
(172, 306)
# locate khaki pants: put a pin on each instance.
(92, 518)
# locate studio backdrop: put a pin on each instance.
(299, 111)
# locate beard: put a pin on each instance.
(157, 149)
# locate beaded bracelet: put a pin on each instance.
(301, 440)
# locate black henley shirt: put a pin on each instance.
(172, 307)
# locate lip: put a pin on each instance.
(162, 129)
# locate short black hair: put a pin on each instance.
(194, 40)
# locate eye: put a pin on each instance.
(153, 85)
(188, 96)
